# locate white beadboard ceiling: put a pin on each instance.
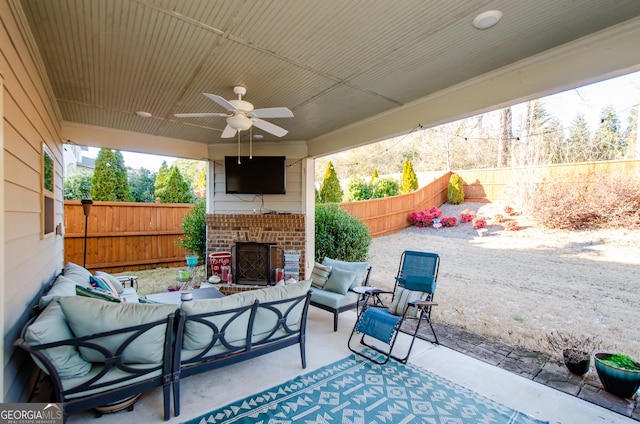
(332, 62)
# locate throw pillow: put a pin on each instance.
(51, 326)
(103, 284)
(96, 293)
(402, 298)
(339, 281)
(360, 268)
(113, 280)
(320, 275)
(77, 273)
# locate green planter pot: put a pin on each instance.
(618, 381)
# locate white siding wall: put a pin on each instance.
(291, 202)
(30, 119)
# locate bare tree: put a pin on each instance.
(506, 133)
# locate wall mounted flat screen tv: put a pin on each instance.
(258, 175)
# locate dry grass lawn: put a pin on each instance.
(515, 286)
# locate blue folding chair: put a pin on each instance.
(378, 327)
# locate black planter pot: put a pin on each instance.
(579, 368)
(579, 363)
(618, 381)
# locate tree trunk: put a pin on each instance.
(505, 136)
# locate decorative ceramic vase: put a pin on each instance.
(618, 381)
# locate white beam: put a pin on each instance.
(93, 136)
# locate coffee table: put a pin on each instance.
(175, 297)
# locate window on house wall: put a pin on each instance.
(48, 199)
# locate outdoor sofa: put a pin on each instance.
(99, 352)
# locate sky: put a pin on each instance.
(137, 160)
(622, 93)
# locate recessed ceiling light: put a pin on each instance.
(487, 19)
(143, 114)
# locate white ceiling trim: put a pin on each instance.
(89, 135)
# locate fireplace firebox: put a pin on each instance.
(252, 263)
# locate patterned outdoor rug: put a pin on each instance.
(357, 391)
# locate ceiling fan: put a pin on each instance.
(243, 116)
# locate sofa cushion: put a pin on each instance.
(96, 293)
(78, 274)
(339, 281)
(113, 280)
(333, 300)
(51, 326)
(90, 316)
(62, 286)
(198, 336)
(320, 275)
(360, 268)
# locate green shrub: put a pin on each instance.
(455, 193)
(195, 231)
(385, 187)
(358, 189)
(340, 235)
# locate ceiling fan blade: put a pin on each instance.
(269, 127)
(271, 112)
(221, 101)
(198, 115)
(228, 132)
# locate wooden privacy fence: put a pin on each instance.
(124, 236)
(501, 184)
(129, 236)
(388, 215)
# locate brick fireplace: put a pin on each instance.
(282, 231)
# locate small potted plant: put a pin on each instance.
(576, 350)
(618, 373)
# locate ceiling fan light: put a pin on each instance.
(487, 19)
(239, 122)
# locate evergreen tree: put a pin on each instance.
(141, 182)
(609, 142)
(77, 186)
(200, 183)
(160, 184)
(374, 175)
(109, 181)
(330, 191)
(176, 190)
(578, 146)
(409, 178)
(631, 135)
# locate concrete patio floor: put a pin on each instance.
(203, 393)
